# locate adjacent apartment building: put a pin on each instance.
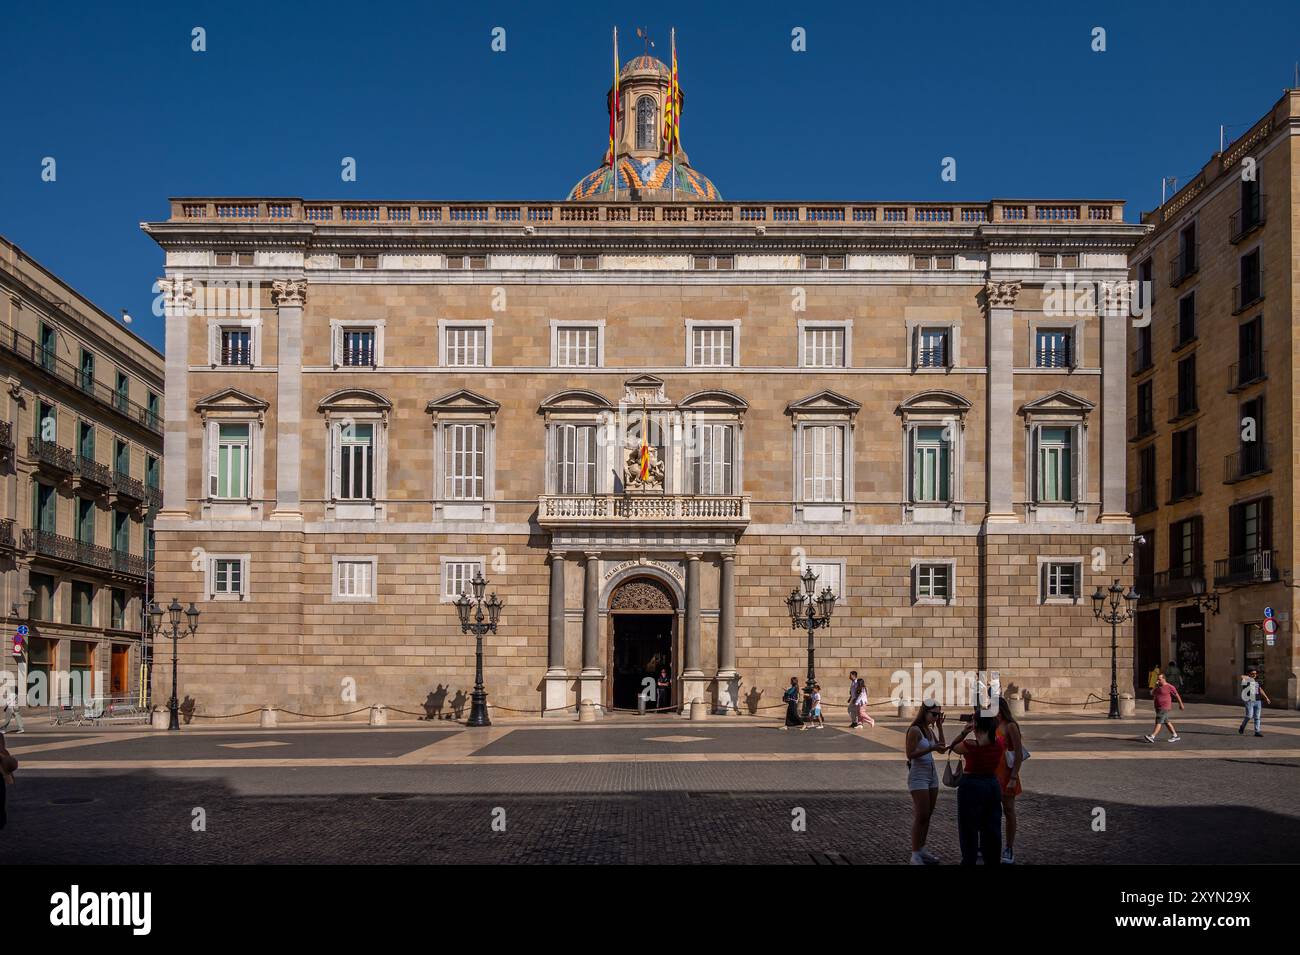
(1212, 393)
(413, 391)
(81, 473)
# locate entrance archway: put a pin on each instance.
(643, 632)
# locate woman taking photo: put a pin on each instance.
(924, 739)
(979, 797)
(1013, 748)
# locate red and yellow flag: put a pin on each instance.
(613, 106)
(673, 106)
(645, 446)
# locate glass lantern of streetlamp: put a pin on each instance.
(1098, 601)
(494, 605)
(192, 615)
(174, 612)
(826, 602)
(795, 602)
(1131, 597)
(155, 616)
(463, 603)
(478, 583)
(809, 581)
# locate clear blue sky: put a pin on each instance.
(413, 91)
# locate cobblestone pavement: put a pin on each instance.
(665, 791)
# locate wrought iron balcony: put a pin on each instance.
(7, 533)
(667, 509)
(128, 564)
(1183, 266)
(1251, 567)
(1245, 294)
(67, 549)
(153, 497)
(1141, 426)
(127, 486)
(1251, 459)
(1183, 485)
(1247, 372)
(53, 456)
(1182, 405)
(92, 472)
(1178, 582)
(1141, 358)
(1248, 218)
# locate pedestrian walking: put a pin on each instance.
(860, 705)
(791, 700)
(1014, 754)
(8, 765)
(853, 700)
(924, 739)
(1164, 693)
(1251, 691)
(815, 716)
(11, 714)
(979, 797)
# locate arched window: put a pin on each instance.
(647, 129)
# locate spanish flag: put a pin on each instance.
(613, 106)
(673, 107)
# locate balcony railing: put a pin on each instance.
(1177, 581)
(153, 497)
(128, 564)
(642, 508)
(1251, 459)
(7, 533)
(1140, 426)
(1181, 405)
(936, 357)
(127, 486)
(1141, 500)
(1245, 294)
(1141, 358)
(1243, 373)
(1247, 219)
(67, 549)
(92, 472)
(6, 436)
(50, 455)
(1183, 485)
(1251, 567)
(1182, 266)
(1144, 584)
(44, 358)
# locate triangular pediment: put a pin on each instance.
(1058, 402)
(824, 401)
(644, 389)
(231, 399)
(463, 400)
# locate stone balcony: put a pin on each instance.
(642, 510)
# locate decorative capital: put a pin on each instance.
(1002, 294)
(289, 292)
(178, 295)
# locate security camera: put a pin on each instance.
(1137, 539)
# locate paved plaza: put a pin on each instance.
(656, 789)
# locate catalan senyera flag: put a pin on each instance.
(613, 110)
(673, 106)
(645, 451)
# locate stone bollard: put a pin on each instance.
(586, 712)
(1017, 704)
(160, 718)
(269, 718)
(1127, 705)
(907, 709)
(378, 715)
(699, 709)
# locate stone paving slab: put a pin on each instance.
(670, 741)
(373, 744)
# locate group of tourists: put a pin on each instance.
(987, 779)
(1164, 693)
(857, 703)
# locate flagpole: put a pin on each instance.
(613, 119)
(672, 96)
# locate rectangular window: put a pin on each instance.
(123, 396)
(1184, 475)
(931, 465)
(117, 609)
(1250, 289)
(711, 347)
(228, 576)
(1186, 318)
(85, 520)
(823, 463)
(47, 501)
(577, 347)
(1186, 399)
(823, 347)
(465, 461)
(1052, 349)
(1062, 580)
(932, 349)
(354, 579)
(46, 424)
(466, 346)
(828, 575)
(87, 372)
(457, 577)
(150, 471)
(1185, 549)
(575, 459)
(86, 440)
(121, 532)
(1250, 351)
(1146, 419)
(236, 346)
(231, 480)
(83, 598)
(153, 409)
(356, 462)
(359, 347)
(42, 607)
(122, 457)
(711, 468)
(49, 347)
(1055, 465)
(933, 581)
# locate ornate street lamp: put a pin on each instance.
(1114, 610)
(1205, 603)
(478, 625)
(157, 629)
(810, 611)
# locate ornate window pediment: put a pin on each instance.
(230, 399)
(354, 399)
(1057, 403)
(934, 403)
(647, 389)
(714, 400)
(824, 403)
(575, 399)
(463, 402)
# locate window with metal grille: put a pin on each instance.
(932, 348)
(1053, 348)
(359, 347)
(236, 346)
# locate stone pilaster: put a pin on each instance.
(694, 685)
(178, 308)
(289, 299)
(557, 676)
(728, 679)
(1114, 394)
(591, 682)
(1000, 391)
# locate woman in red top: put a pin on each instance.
(979, 795)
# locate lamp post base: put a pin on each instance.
(174, 721)
(1114, 706)
(478, 711)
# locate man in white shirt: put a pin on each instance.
(1251, 692)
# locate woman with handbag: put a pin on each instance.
(924, 739)
(979, 797)
(791, 699)
(7, 766)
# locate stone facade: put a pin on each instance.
(80, 478)
(1211, 446)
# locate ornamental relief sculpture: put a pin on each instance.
(641, 595)
(1002, 294)
(632, 471)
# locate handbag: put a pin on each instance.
(951, 777)
(8, 762)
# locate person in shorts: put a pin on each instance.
(924, 739)
(1164, 693)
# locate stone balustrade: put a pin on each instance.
(683, 509)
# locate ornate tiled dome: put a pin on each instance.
(650, 177)
(645, 63)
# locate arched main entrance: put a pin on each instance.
(643, 630)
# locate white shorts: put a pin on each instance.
(922, 775)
